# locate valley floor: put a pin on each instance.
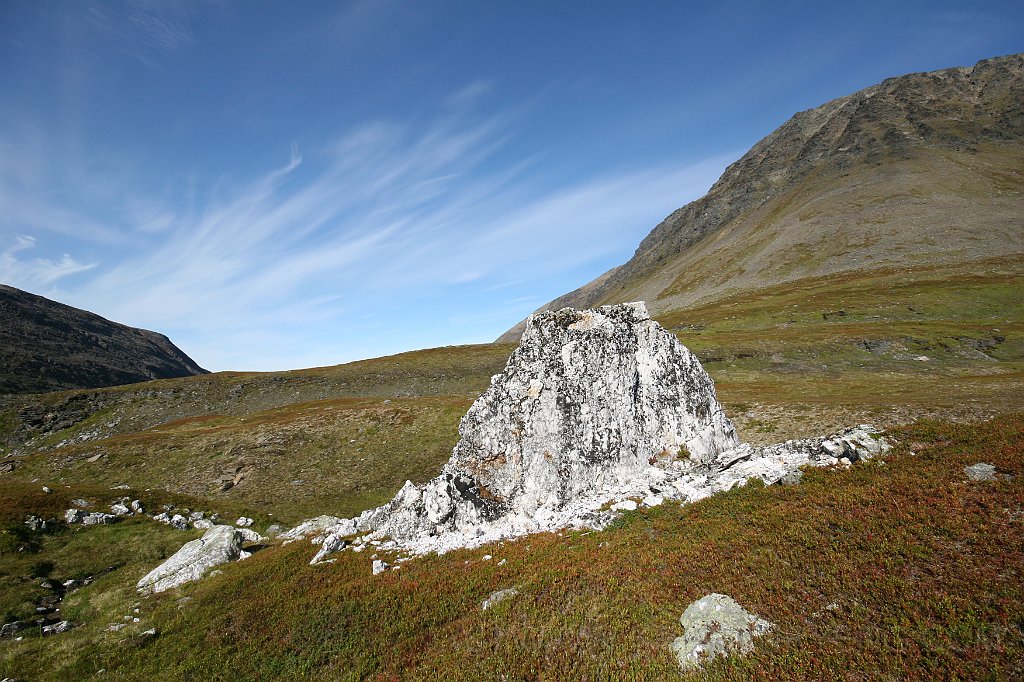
(901, 570)
(894, 569)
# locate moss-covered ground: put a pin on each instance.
(900, 569)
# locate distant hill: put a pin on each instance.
(49, 346)
(921, 170)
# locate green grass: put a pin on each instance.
(329, 456)
(901, 571)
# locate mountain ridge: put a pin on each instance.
(886, 165)
(48, 346)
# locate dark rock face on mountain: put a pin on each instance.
(48, 346)
(922, 168)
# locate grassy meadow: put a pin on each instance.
(901, 570)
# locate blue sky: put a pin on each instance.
(278, 185)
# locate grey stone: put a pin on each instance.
(219, 545)
(496, 598)
(88, 519)
(120, 510)
(715, 625)
(35, 523)
(99, 519)
(243, 522)
(981, 472)
(791, 477)
(9, 629)
(589, 399)
(58, 628)
(594, 409)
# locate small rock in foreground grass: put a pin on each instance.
(715, 625)
(497, 597)
(983, 471)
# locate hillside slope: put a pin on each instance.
(923, 169)
(49, 346)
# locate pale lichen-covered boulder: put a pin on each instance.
(595, 410)
(590, 400)
(715, 625)
(219, 545)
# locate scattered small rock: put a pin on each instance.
(243, 522)
(47, 490)
(380, 566)
(120, 510)
(625, 505)
(715, 625)
(983, 471)
(58, 628)
(36, 524)
(84, 504)
(497, 597)
(94, 519)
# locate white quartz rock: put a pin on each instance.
(219, 545)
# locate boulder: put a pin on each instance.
(590, 399)
(715, 625)
(595, 409)
(981, 472)
(496, 598)
(219, 545)
(58, 628)
(89, 519)
(36, 524)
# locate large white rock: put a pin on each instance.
(219, 545)
(590, 400)
(594, 408)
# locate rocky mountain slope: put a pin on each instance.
(49, 346)
(919, 170)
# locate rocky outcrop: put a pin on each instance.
(596, 411)
(219, 545)
(715, 625)
(49, 346)
(588, 402)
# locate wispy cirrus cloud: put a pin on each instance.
(39, 274)
(368, 245)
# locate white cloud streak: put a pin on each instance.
(37, 274)
(344, 251)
